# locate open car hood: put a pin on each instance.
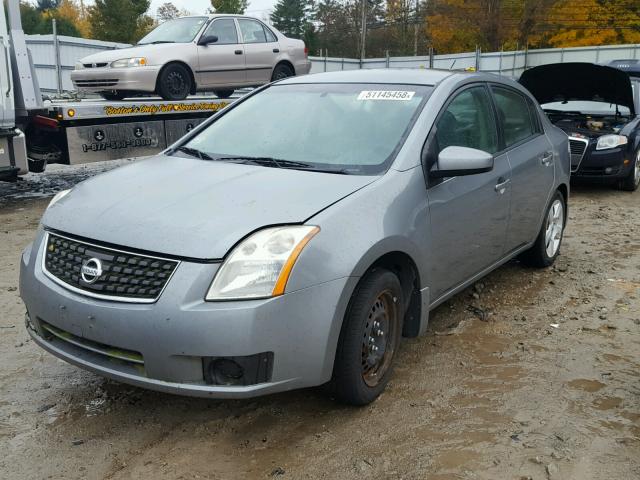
(560, 82)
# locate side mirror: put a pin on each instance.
(207, 39)
(459, 161)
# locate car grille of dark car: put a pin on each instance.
(577, 148)
(95, 65)
(110, 82)
(125, 276)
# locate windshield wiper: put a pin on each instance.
(280, 163)
(156, 42)
(194, 152)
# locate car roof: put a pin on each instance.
(413, 76)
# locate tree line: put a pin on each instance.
(394, 27)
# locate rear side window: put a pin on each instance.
(514, 115)
(252, 31)
(270, 36)
(468, 122)
(225, 30)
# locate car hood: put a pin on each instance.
(579, 81)
(153, 51)
(193, 208)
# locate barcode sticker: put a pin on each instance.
(397, 95)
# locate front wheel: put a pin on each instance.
(114, 95)
(547, 247)
(174, 82)
(369, 339)
(223, 93)
(632, 182)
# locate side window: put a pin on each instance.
(514, 115)
(270, 36)
(225, 30)
(468, 122)
(535, 116)
(252, 31)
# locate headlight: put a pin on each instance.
(260, 265)
(79, 66)
(610, 141)
(57, 197)
(130, 62)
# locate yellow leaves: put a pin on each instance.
(72, 11)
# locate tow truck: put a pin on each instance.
(35, 132)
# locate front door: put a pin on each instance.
(469, 214)
(261, 49)
(532, 164)
(221, 63)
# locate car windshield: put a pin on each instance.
(346, 128)
(587, 107)
(179, 30)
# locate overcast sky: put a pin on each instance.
(257, 8)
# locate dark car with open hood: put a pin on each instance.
(597, 106)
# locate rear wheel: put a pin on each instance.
(281, 71)
(114, 95)
(369, 339)
(223, 93)
(174, 82)
(632, 182)
(547, 247)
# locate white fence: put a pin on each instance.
(504, 63)
(71, 50)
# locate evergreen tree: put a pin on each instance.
(229, 6)
(118, 20)
(290, 17)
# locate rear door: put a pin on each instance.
(261, 49)
(469, 214)
(222, 63)
(532, 163)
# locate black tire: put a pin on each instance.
(632, 182)
(360, 374)
(540, 256)
(223, 93)
(174, 82)
(113, 96)
(281, 71)
(37, 166)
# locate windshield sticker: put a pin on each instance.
(397, 95)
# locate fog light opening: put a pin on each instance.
(608, 170)
(225, 371)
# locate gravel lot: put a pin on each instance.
(527, 375)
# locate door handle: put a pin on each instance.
(276, 50)
(238, 52)
(501, 186)
(547, 158)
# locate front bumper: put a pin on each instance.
(603, 165)
(174, 335)
(138, 79)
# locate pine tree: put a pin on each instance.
(290, 17)
(118, 20)
(229, 6)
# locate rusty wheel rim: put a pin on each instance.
(379, 338)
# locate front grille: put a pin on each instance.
(577, 148)
(108, 273)
(95, 65)
(111, 82)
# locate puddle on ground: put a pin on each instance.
(586, 385)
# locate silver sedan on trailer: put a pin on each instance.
(218, 53)
(236, 265)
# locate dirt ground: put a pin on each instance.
(542, 382)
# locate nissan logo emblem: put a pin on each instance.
(91, 271)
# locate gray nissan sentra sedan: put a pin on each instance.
(296, 236)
